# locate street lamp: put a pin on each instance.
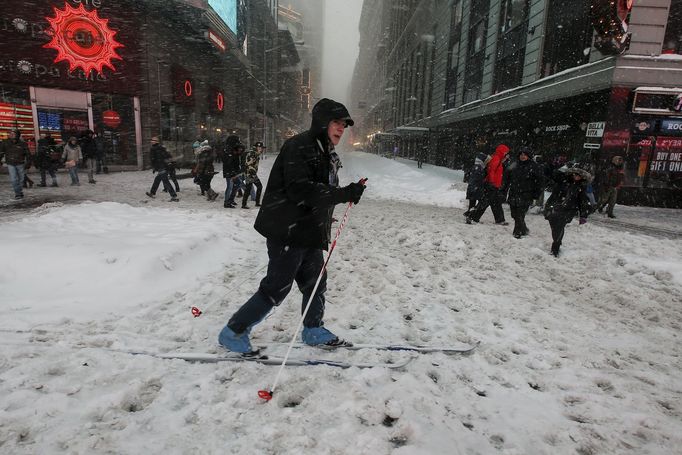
(265, 85)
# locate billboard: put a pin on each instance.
(227, 10)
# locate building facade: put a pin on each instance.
(130, 70)
(584, 79)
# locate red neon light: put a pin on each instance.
(83, 39)
(188, 87)
(220, 101)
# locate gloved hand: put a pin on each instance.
(582, 220)
(352, 193)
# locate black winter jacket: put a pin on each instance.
(525, 182)
(159, 157)
(568, 199)
(233, 164)
(298, 201)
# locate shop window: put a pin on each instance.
(473, 76)
(15, 113)
(114, 119)
(453, 54)
(672, 44)
(568, 36)
(511, 46)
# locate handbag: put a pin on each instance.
(69, 164)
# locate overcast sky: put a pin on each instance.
(340, 48)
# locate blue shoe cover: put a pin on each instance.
(235, 342)
(317, 335)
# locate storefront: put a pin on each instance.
(69, 67)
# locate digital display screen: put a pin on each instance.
(227, 10)
(50, 121)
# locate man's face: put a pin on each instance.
(335, 130)
(259, 150)
(523, 157)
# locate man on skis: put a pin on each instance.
(295, 218)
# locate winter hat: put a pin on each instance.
(258, 144)
(526, 151)
(579, 169)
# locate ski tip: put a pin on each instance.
(265, 395)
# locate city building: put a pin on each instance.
(584, 79)
(130, 70)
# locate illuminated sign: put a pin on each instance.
(112, 119)
(188, 87)
(227, 10)
(83, 39)
(215, 39)
(220, 101)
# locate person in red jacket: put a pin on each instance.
(492, 195)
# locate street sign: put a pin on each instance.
(595, 129)
(589, 145)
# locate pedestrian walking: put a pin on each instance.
(72, 157)
(476, 180)
(15, 151)
(568, 199)
(233, 171)
(251, 172)
(101, 156)
(524, 180)
(611, 181)
(492, 194)
(295, 219)
(47, 159)
(89, 150)
(205, 171)
(160, 158)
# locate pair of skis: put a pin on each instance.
(258, 357)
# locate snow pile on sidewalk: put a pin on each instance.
(579, 354)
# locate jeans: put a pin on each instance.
(232, 188)
(16, 175)
(162, 176)
(73, 172)
(286, 265)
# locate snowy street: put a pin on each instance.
(578, 354)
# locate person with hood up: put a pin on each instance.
(71, 157)
(295, 218)
(568, 198)
(45, 159)
(476, 178)
(16, 153)
(205, 171)
(251, 172)
(233, 171)
(492, 194)
(525, 183)
(610, 183)
(160, 157)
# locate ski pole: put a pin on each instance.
(267, 394)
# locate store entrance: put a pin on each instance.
(62, 124)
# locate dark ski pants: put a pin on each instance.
(247, 191)
(558, 227)
(205, 183)
(43, 175)
(493, 198)
(518, 213)
(162, 176)
(286, 265)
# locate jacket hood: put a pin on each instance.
(324, 112)
(501, 150)
(482, 159)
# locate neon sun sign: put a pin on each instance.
(83, 39)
